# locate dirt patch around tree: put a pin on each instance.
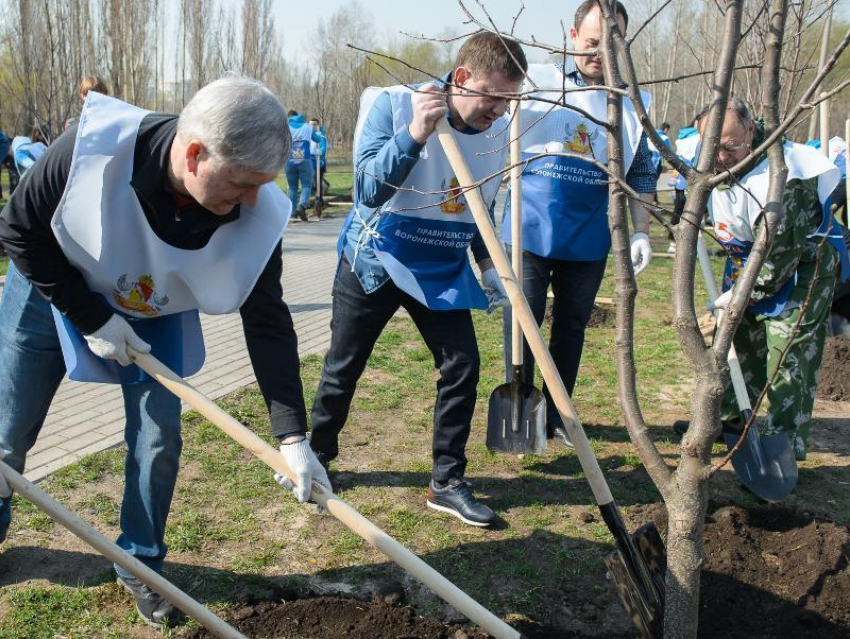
(602, 315)
(835, 370)
(770, 571)
(325, 617)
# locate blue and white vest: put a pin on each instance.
(565, 199)
(734, 212)
(159, 289)
(302, 138)
(421, 235)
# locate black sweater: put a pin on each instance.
(26, 235)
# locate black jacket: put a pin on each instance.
(26, 235)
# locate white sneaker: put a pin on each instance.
(671, 250)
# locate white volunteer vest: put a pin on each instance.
(565, 198)
(558, 126)
(103, 232)
(734, 211)
(422, 233)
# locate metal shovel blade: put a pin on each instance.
(516, 418)
(765, 464)
(638, 567)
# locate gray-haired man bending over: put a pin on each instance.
(130, 224)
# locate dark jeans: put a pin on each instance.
(357, 321)
(678, 209)
(574, 285)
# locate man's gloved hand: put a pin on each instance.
(111, 340)
(641, 252)
(721, 302)
(494, 290)
(306, 467)
(5, 491)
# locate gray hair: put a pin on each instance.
(735, 104)
(240, 122)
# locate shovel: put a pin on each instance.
(516, 416)
(116, 554)
(340, 509)
(764, 463)
(638, 563)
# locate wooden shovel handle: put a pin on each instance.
(516, 224)
(333, 504)
(521, 310)
(738, 383)
(116, 554)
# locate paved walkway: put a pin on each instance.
(89, 418)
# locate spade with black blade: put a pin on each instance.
(764, 463)
(638, 563)
(516, 416)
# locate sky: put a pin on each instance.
(540, 18)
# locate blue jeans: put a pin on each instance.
(574, 285)
(302, 173)
(31, 367)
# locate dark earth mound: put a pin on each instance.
(835, 370)
(602, 315)
(326, 617)
(771, 572)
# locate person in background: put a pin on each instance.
(663, 132)
(687, 143)
(27, 150)
(89, 83)
(320, 151)
(566, 239)
(299, 167)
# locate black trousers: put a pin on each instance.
(357, 321)
(574, 285)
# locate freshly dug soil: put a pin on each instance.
(772, 572)
(602, 316)
(326, 617)
(835, 370)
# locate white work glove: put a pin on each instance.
(494, 290)
(721, 302)
(641, 252)
(111, 340)
(5, 491)
(304, 464)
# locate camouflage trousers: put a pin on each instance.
(760, 342)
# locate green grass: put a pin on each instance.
(232, 529)
(57, 611)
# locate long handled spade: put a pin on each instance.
(764, 463)
(638, 563)
(333, 504)
(116, 554)
(516, 417)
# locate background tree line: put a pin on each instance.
(156, 54)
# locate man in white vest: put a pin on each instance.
(565, 200)
(406, 245)
(125, 228)
(784, 327)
